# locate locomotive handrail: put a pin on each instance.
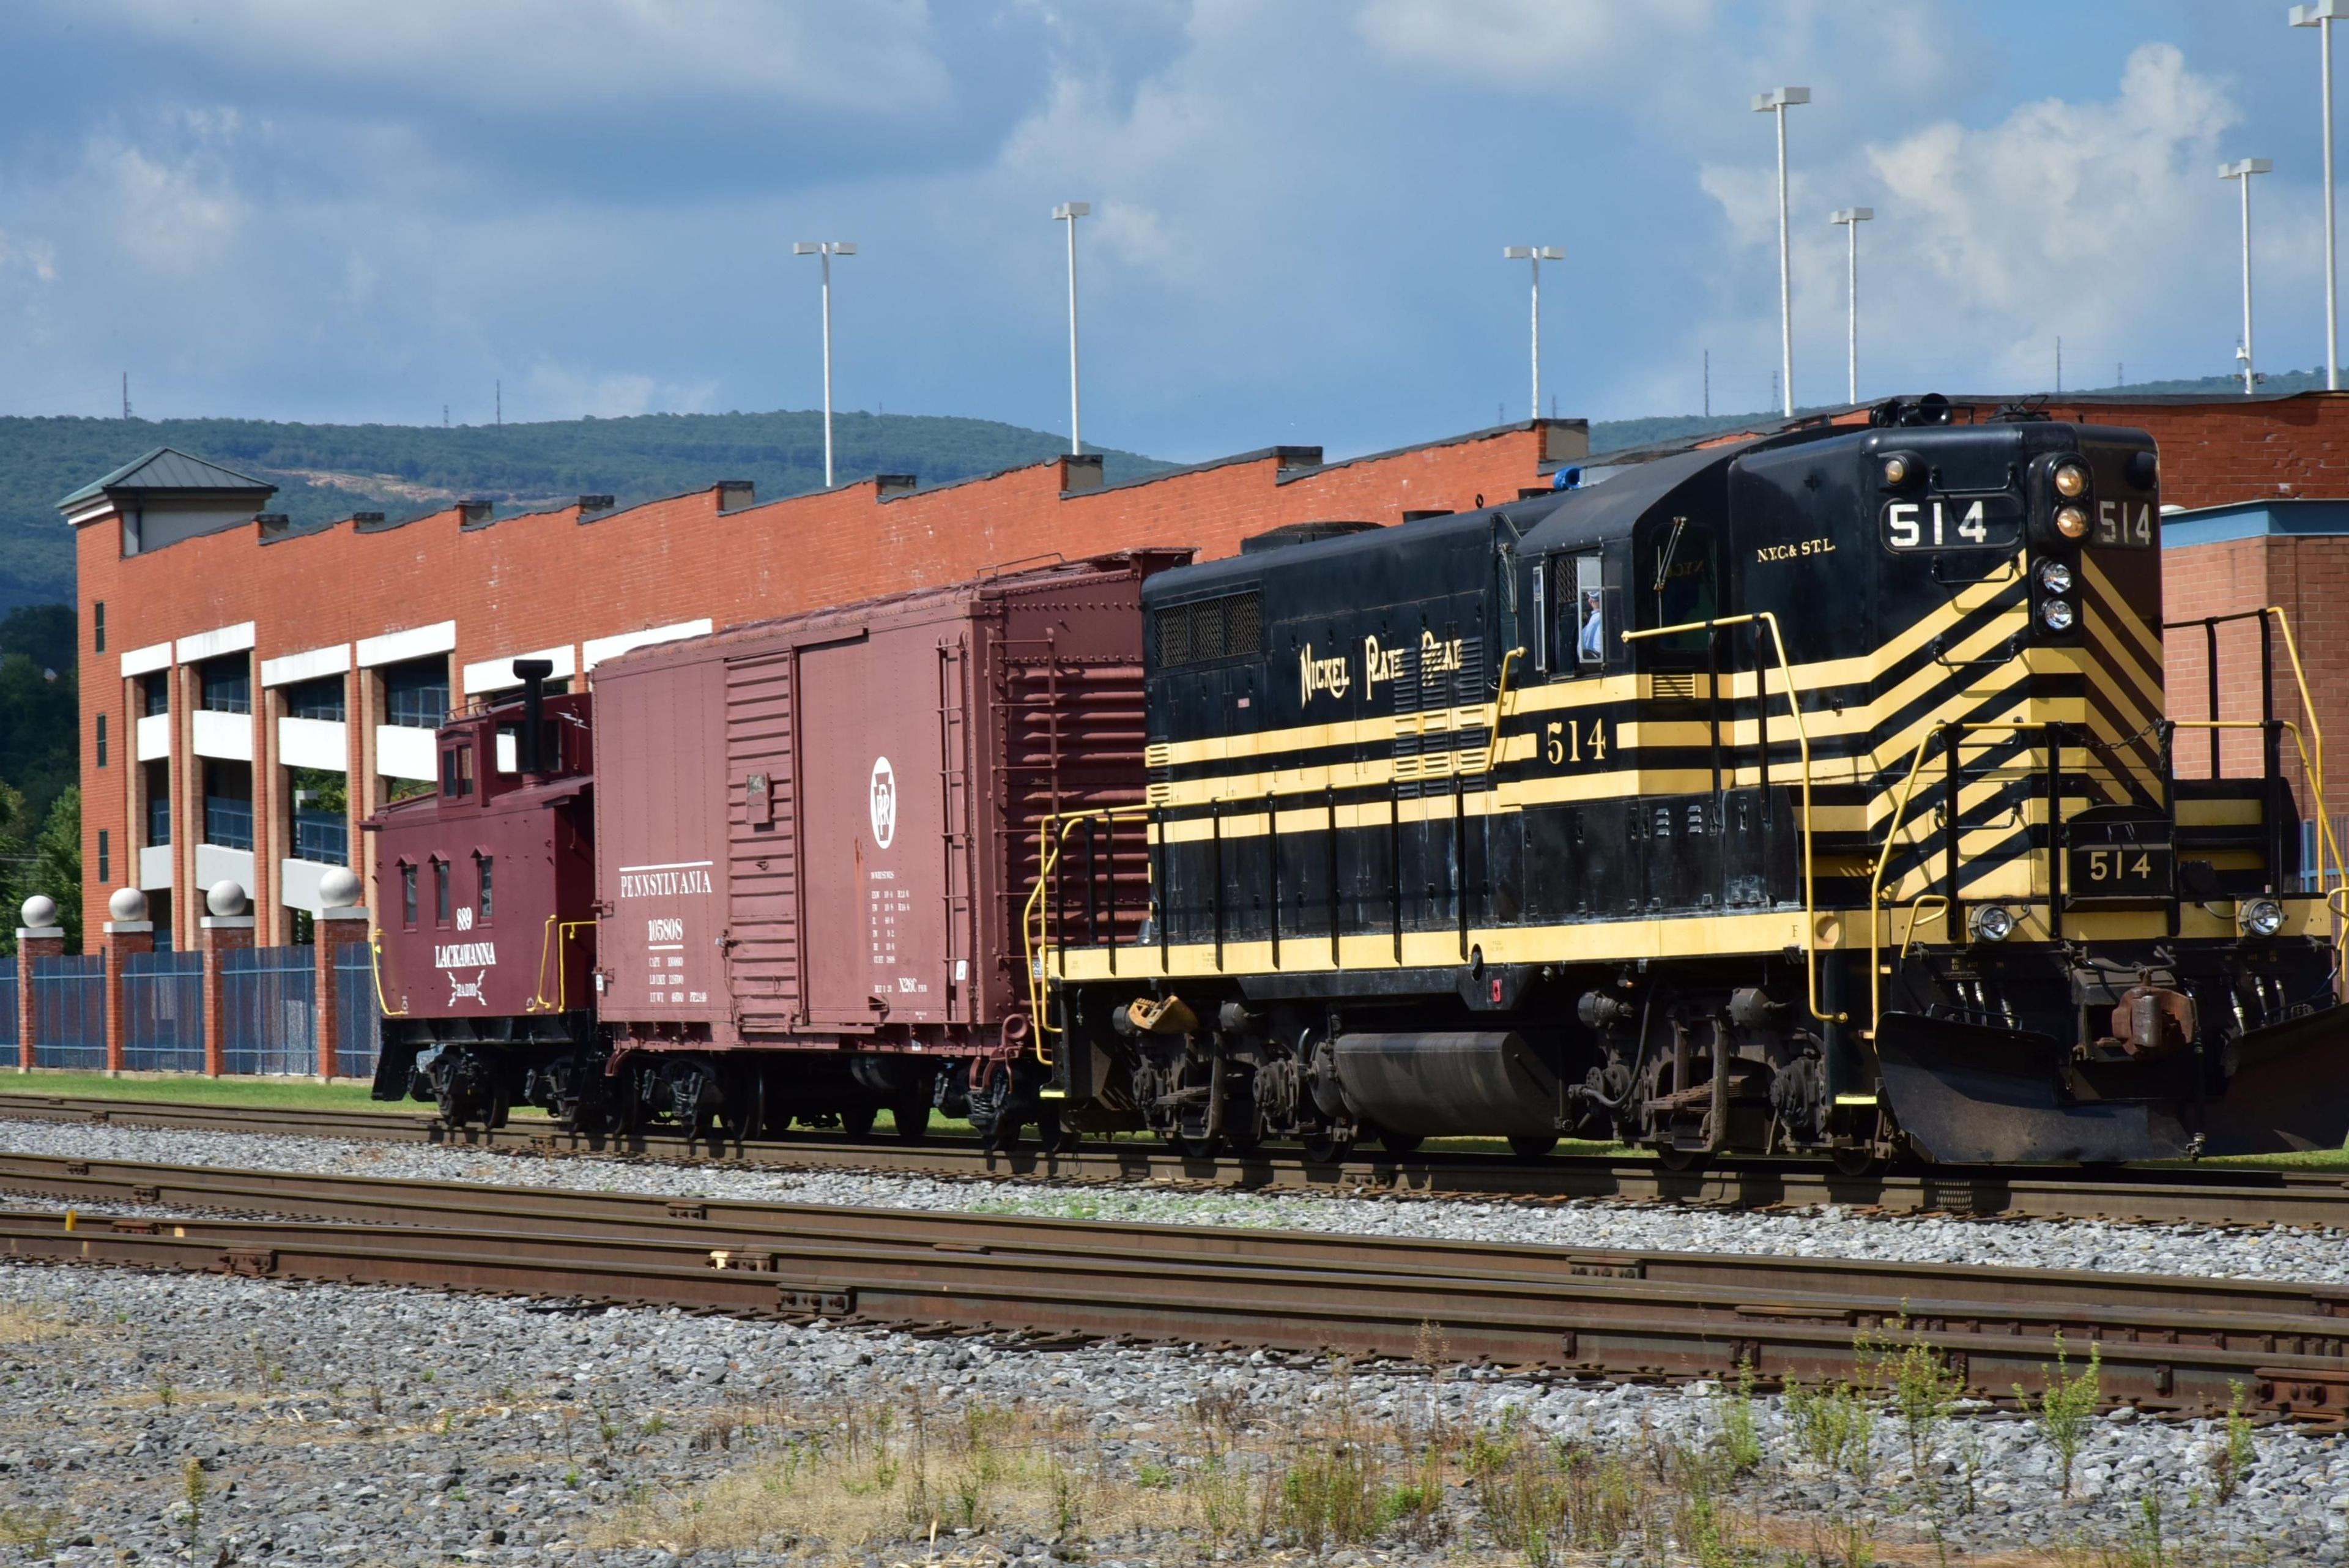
(1892, 834)
(1803, 741)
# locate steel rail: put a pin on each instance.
(2166, 1344)
(2189, 1195)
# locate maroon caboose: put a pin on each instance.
(816, 837)
(484, 901)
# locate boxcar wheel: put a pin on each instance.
(913, 1118)
(1533, 1146)
(1861, 1161)
(856, 1121)
(1326, 1149)
(1686, 1161)
(1397, 1143)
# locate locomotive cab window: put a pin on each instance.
(1575, 611)
(1674, 566)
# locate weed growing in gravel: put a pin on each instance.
(1835, 1425)
(191, 1489)
(30, 1528)
(2068, 1405)
(1740, 1431)
(2233, 1460)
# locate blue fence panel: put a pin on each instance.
(8, 1011)
(69, 1012)
(163, 1013)
(358, 1016)
(268, 1007)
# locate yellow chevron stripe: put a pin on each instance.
(2147, 638)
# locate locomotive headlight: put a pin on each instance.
(2259, 916)
(2072, 522)
(2070, 481)
(1991, 922)
(1896, 470)
(2056, 615)
(2055, 577)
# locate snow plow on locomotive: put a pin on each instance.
(1809, 794)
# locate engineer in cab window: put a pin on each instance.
(1593, 642)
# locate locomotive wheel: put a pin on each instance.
(1687, 1161)
(1052, 1135)
(1399, 1144)
(1533, 1146)
(1863, 1160)
(1199, 1147)
(1326, 1149)
(856, 1121)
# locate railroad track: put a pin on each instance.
(2165, 1343)
(2198, 1195)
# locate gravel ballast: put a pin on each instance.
(347, 1424)
(2208, 1252)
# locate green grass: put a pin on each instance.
(198, 1090)
(2301, 1160)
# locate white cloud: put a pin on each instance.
(550, 53)
(179, 215)
(1523, 43)
(562, 392)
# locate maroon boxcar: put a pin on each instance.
(815, 837)
(485, 903)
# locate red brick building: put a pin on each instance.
(251, 691)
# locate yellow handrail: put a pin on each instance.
(1803, 741)
(1035, 940)
(375, 968)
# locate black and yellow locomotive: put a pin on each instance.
(1810, 793)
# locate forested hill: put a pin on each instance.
(326, 472)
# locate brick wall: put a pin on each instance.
(546, 579)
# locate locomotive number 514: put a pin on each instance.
(1954, 523)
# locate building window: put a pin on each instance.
(322, 829)
(457, 771)
(416, 694)
(97, 626)
(488, 864)
(319, 699)
(159, 804)
(105, 857)
(227, 683)
(440, 892)
(101, 740)
(228, 804)
(155, 692)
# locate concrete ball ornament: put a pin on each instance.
(127, 905)
(340, 888)
(41, 912)
(226, 899)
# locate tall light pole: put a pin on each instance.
(1069, 213)
(1536, 255)
(2243, 171)
(1851, 218)
(1777, 102)
(824, 250)
(2321, 16)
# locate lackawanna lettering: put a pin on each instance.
(663, 884)
(465, 955)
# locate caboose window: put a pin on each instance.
(457, 771)
(440, 892)
(407, 894)
(487, 863)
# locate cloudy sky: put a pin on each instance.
(346, 211)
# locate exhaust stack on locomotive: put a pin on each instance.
(1808, 793)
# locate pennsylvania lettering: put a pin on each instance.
(465, 955)
(663, 884)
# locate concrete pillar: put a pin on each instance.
(338, 925)
(220, 933)
(39, 937)
(134, 933)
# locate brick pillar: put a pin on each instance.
(123, 937)
(220, 935)
(32, 942)
(337, 928)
